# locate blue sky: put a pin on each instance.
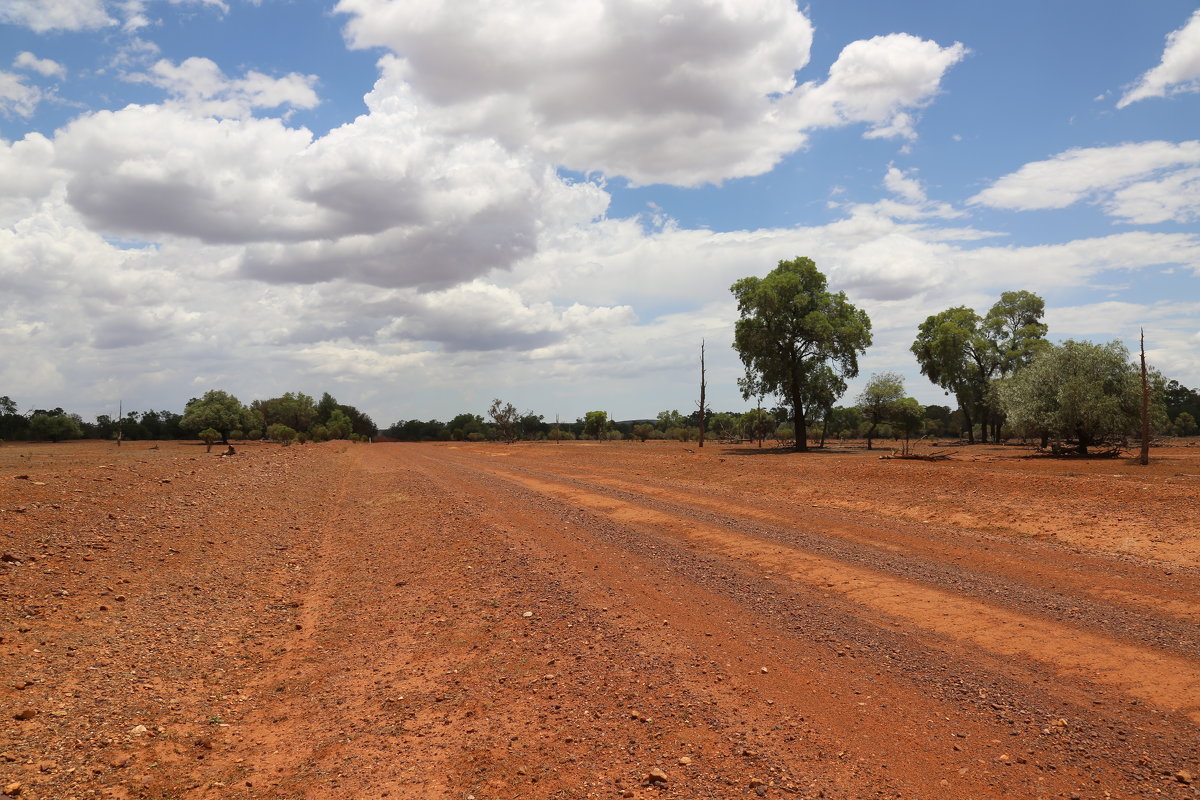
(422, 206)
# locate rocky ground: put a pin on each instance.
(595, 620)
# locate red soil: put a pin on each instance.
(595, 620)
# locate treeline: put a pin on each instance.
(800, 342)
(757, 424)
(217, 415)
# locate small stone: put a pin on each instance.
(685, 761)
(656, 775)
(138, 730)
(527, 614)
(13, 789)
(756, 782)
(25, 713)
(46, 766)
(1183, 776)
(763, 670)
(120, 760)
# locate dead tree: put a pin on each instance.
(1144, 457)
(702, 387)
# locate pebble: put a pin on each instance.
(656, 775)
(13, 789)
(26, 713)
(1183, 776)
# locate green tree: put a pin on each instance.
(1015, 328)
(642, 431)
(878, 400)
(1081, 392)
(965, 353)
(337, 426)
(216, 409)
(281, 433)
(293, 409)
(792, 330)
(595, 424)
(55, 425)
(953, 352)
(907, 415)
(1185, 424)
(462, 426)
(670, 419)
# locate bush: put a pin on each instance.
(254, 435)
(237, 436)
(280, 433)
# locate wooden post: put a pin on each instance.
(1144, 458)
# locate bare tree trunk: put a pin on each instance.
(702, 387)
(1144, 458)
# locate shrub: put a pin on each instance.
(237, 436)
(208, 436)
(280, 433)
(254, 435)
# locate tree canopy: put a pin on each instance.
(216, 409)
(880, 399)
(55, 425)
(1079, 391)
(965, 353)
(797, 339)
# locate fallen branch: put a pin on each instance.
(940, 455)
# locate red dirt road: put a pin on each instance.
(585, 620)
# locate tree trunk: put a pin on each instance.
(825, 427)
(1144, 456)
(801, 432)
(970, 425)
(870, 435)
(702, 387)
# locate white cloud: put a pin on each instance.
(199, 85)
(379, 200)
(1179, 70)
(676, 91)
(17, 98)
(1174, 198)
(1095, 173)
(879, 81)
(51, 15)
(43, 66)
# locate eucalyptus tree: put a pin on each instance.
(797, 339)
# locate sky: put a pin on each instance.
(421, 205)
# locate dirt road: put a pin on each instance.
(584, 620)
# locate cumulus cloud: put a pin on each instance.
(674, 91)
(380, 200)
(199, 85)
(17, 98)
(1178, 71)
(1122, 177)
(46, 67)
(878, 81)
